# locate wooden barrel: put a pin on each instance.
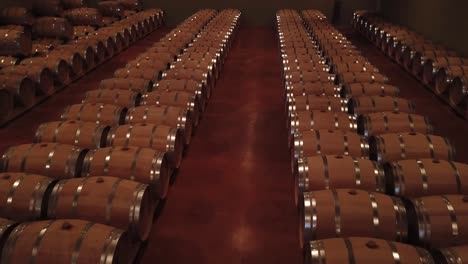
(158, 137)
(401, 146)
(188, 86)
(392, 122)
(79, 242)
(6, 104)
(6, 226)
(52, 27)
(142, 64)
(82, 56)
(178, 117)
(364, 251)
(440, 221)
(104, 114)
(317, 102)
(48, 159)
(339, 59)
(354, 67)
(330, 142)
(374, 104)
(313, 88)
(98, 47)
(143, 165)
(129, 84)
(146, 74)
(368, 89)
(420, 57)
(16, 16)
(445, 76)
(189, 74)
(452, 255)
(350, 212)
(174, 98)
(131, 4)
(70, 4)
(159, 54)
(6, 61)
(317, 173)
(22, 89)
(199, 70)
(72, 57)
(356, 77)
(326, 120)
(22, 196)
(307, 77)
(111, 8)
(120, 203)
(83, 16)
(81, 134)
(432, 66)
(458, 92)
(14, 43)
(59, 67)
(42, 76)
(425, 177)
(123, 98)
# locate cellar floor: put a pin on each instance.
(232, 200)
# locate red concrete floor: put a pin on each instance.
(232, 201)
(445, 121)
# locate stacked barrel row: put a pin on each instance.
(24, 81)
(97, 180)
(339, 190)
(439, 68)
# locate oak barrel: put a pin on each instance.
(81, 134)
(6, 104)
(445, 76)
(130, 84)
(49, 159)
(59, 67)
(21, 89)
(350, 212)
(120, 203)
(307, 120)
(317, 102)
(452, 255)
(66, 241)
(425, 177)
(158, 137)
(22, 195)
(368, 89)
(14, 43)
(356, 77)
(52, 27)
(41, 75)
(137, 164)
(392, 122)
(122, 98)
(83, 16)
(401, 146)
(16, 16)
(313, 88)
(373, 104)
(146, 74)
(105, 114)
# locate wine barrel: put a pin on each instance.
(189, 74)
(306, 77)
(349, 212)
(42, 76)
(392, 122)
(330, 142)
(6, 226)
(22, 195)
(81, 57)
(14, 43)
(72, 57)
(445, 76)
(98, 113)
(48, 159)
(120, 203)
(374, 104)
(420, 58)
(59, 67)
(70, 4)
(368, 89)
(458, 92)
(198, 67)
(295, 66)
(122, 98)
(189, 86)
(178, 117)
(360, 250)
(314, 88)
(307, 120)
(52, 27)
(432, 66)
(158, 137)
(22, 89)
(317, 173)
(356, 77)
(174, 98)
(159, 54)
(80, 134)
(354, 67)
(79, 242)
(425, 177)
(6, 104)
(317, 102)
(452, 255)
(394, 147)
(150, 74)
(130, 84)
(111, 9)
(142, 64)
(131, 4)
(83, 16)
(47, 7)
(137, 164)
(440, 221)
(6, 61)
(16, 16)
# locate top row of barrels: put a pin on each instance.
(332, 92)
(442, 70)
